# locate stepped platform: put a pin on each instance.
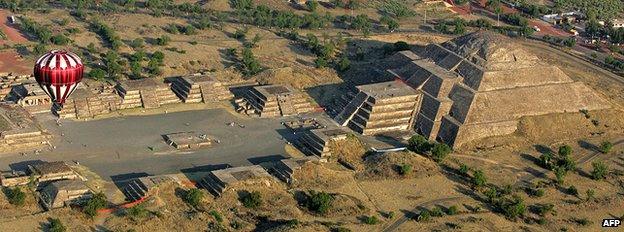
(200, 88)
(316, 142)
(138, 188)
(380, 107)
(285, 168)
(217, 181)
(147, 93)
(188, 140)
(19, 130)
(274, 101)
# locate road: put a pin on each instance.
(134, 144)
(416, 211)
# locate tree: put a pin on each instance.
(479, 179)
(40, 49)
(111, 60)
(460, 26)
(605, 147)
(321, 62)
(591, 194)
(560, 173)
(56, 225)
(371, 220)
(137, 212)
(496, 6)
(546, 160)
(513, 208)
(251, 66)
(390, 22)
(193, 197)
(600, 170)
(452, 210)
(565, 150)
(97, 74)
(137, 43)
(344, 63)
(91, 48)
(15, 196)
(216, 215)
(319, 202)
(440, 151)
(312, 5)
(463, 169)
(405, 169)
(97, 202)
(251, 199)
(163, 40)
(419, 144)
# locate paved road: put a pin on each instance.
(117, 146)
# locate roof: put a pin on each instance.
(269, 90)
(199, 78)
(140, 84)
(233, 175)
(388, 89)
(294, 163)
(70, 185)
(52, 167)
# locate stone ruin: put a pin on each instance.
(85, 103)
(316, 141)
(19, 130)
(217, 181)
(8, 81)
(147, 93)
(273, 101)
(64, 193)
(188, 140)
(285, 168)
(380, 107)
(31, 97)
(481, 84)
(138, 188)
(200, 88)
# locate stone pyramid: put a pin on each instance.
(481, 84)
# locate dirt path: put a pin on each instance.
(416, 211)
(12, 33)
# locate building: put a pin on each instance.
(89, 103)
(31, 97)
(63, 193)
(274, 101)
(481, 84)
(14, 178)
(19, 130)
(284, 169)
(380, 107)
(138, 188)
(200, 88)
(147, 93)
(316, 142)
(217, 181)
(188, 140)
(52, 171)
(9, 80)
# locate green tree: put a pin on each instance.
(321, 62)
(40, 49)
(163, 40)
(15, 196)
(137, 43)
(97, 74)
(251, 66)
(371, 220)
(344, 63)
(440, 151)
(513, 208)
(56, 225)
(194, 197)
(605, 147)
(591, 194)
(390, 23)
(479, 179)
(97, 202)
(216, 215)
(560, 173)
(136, 69)
(312, 5)
(600, 170)
(460, 26)
(419, 144)
(137, 212)
(546, 160)
(463, 169)
(251, 199)
(320, 202)
(565, 150)
(405, 169)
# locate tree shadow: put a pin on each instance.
(543, 149)
(588, 146)
(530, 158)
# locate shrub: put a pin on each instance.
(340, 229)
(452, 210)
(15, 196)
(56, 225)
(424, 216)
(600, 170)
(97, 202)
(371, 220)
(565, 150)
(419, 144)
(572, 190)
(543, 209)
(546, 160)
(137, 212)
(440, 151)
(251, 199)
(479, 179)
(463, 169)
(405, 169)
(512, 208)
(216, 215)
(193, 197)
(320, 202)
(536, 192)
(560, 174)
(582, 221)
(590, 194)
(436, 212)
(390, 215)
(605, 147)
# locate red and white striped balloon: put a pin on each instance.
(58, 73)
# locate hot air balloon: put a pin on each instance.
(58, 73)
